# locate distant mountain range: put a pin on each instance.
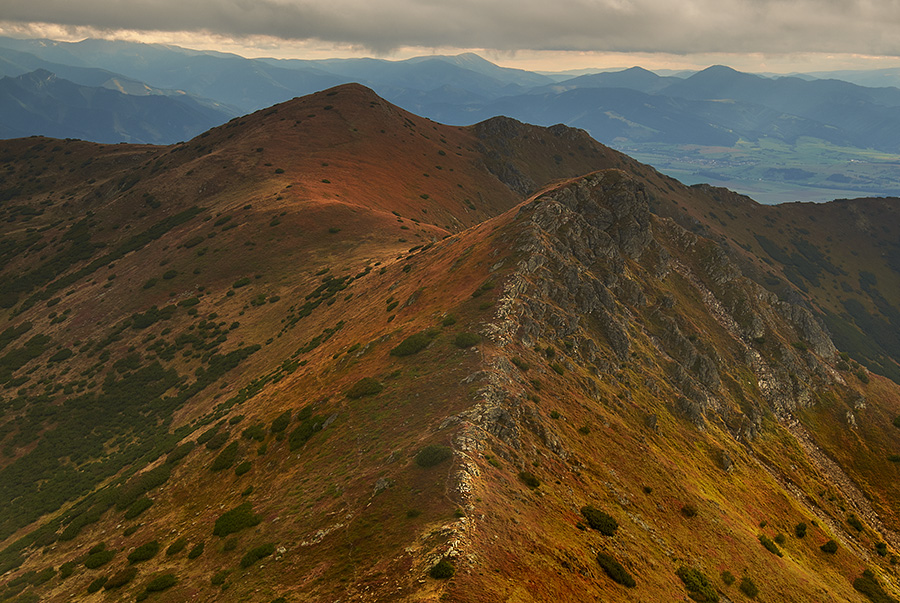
(827, 136)
(41, 103)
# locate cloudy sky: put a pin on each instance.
(760, 35)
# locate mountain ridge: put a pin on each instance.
(316, 390)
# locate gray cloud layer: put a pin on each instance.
(685, 26)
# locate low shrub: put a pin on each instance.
(281, 422)
(800, 530)
(196, 551)
(689, 510)
(66, 570)
(829, 547)
(176, 547)
(367, 386)
(855, 523)
(697, 584)
(728, 578)
(770, 546)
(868, 585)
(97, 584)
(226, 458)
(256, 553)
(414, 344)
(881, 549)
(161, 583)
(99, 559)
(748, 587)
(180, 452)
(520, 364)
(217, 440)
(121, 578)
(442, 570)
(780, 539)
(146, 551)
(466, 340)
(257, 432)
(235, 520)
(600, 521)
(529, 479)
(218, 579)
(243, 468)
(432, 455)
(138, 507)
(615, 570)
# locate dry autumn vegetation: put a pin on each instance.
(307, 365)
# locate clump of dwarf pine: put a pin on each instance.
(615, 570)
(600, 521)
(432, 455)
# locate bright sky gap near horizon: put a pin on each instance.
(753, 35)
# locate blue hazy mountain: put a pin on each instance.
(42, 103)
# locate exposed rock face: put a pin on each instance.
(590, 261)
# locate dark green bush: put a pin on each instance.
(450, 320)
(414, 343)
(146, 551)
(280, 423)
(442, 570)
(432, 455)
(529, 479)
(600, 521)
(697, 584)
(800, 530)
(728, 578)
(520, 364)
(161, 583)
(466, 340)
(241, 282)
(615, 570)
(868, 585)
(770, 546)
(218, 579)
(748, 587)
(855, 523)
(881, 548)
(66, 570)
(226, 458)
(780, 539)
(557, 368)
(256, 553)
(97, 584)
(485, 287)
(217, 440)
(138, 507)
(896, 421)
(207, 435)
(180, 452)
(196, 551)
(367, 386)
(121, 578)
(257, 432)
(829, 547)
(243, 468)
(235, 520)
(99, 559)
(176, 547)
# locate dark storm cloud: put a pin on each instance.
(687, 26)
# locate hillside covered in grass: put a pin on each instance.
(334, 351)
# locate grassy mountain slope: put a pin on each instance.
(335, 351)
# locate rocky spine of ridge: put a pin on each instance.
(590, 278)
